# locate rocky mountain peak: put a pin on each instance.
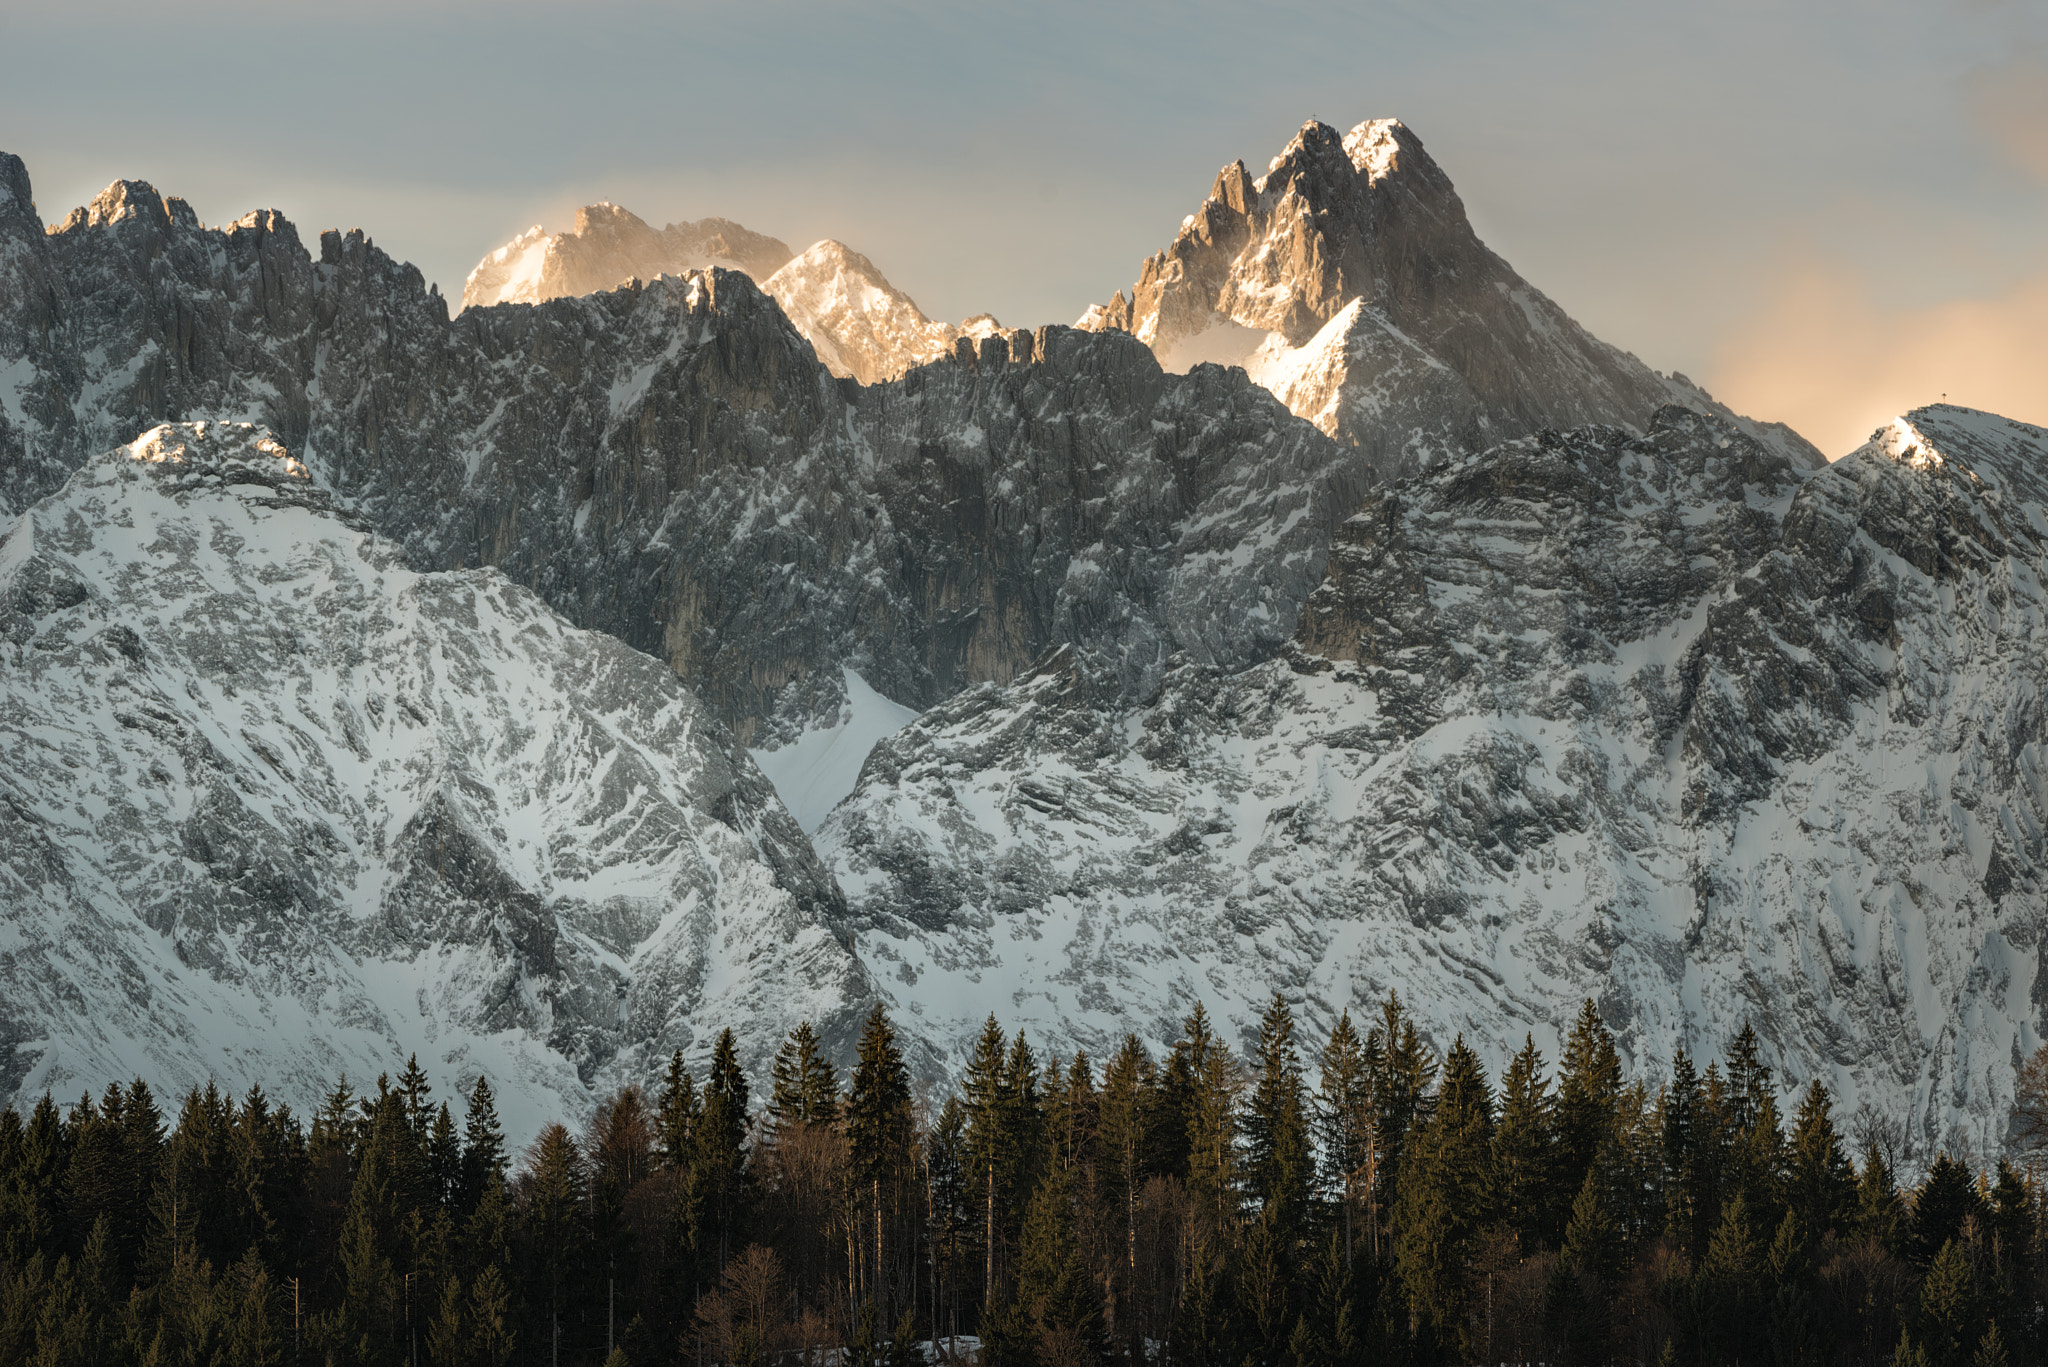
(860, 324)
(608, 246)
(1348, 281)
(121, 202)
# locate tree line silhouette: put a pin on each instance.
(1200, 1209)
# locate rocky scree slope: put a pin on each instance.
(1662, 719)
(670, 463)
(277, 806)
(609, 246)
(1348, 280)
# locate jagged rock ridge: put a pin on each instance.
(276, 806)
(1348, 280)
(1664, 720)
(670, 463)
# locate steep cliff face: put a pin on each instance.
(1348, 280)
(669, 462)
(609, 246)
(276, 806)
(1664, 720)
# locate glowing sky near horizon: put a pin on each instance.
(1826, 212)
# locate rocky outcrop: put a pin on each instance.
(608, 247)
(1661, 719)
(1348, 280)
(276, 806)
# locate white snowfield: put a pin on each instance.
(276, 807)
(817, 769)
(1667, 721)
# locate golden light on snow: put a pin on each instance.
(1831, 357)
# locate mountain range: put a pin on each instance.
(1330, 615)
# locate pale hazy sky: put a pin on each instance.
(1826, 212)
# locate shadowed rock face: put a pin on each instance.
(1661, 719)
(1348, 280)
(276, 807)
(669, 462)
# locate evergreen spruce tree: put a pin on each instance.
(1444, 1182)
(1525, 1147)
(1692, 1170)
(1055, 1290)
(2010, 1220)
(371, 1305)
(418, 1099)
(444, 1159)
(994, 1156)
(492, 1335)
(1206, 1328)
(1951, 1317)
(1344, 1125)
(483, 1144)
(448, 1334)
(1326, 1332)
(1074, 1118)
(1756, 1155)
(720, 1164)
(1122, 1127)
(803, 1086)
(1821, 1186)
(1991, 1349)
(1399, 1071)
(676, 1112)
(878, 1136)
(1589, 1079)
(1729, 1286)
(1213, 1158)
(1593, 1241)
(1880, 1214)
(1279, 1150)
(1946, 1198)
(553, 1188)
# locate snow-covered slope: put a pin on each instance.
(814, 771)
(861, 325)
(1348, 280)
(275, 806)
(609, 246)
(1662, 720)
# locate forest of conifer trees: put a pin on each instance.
(1204, 1209)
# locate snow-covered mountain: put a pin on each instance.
(1663, 720)
(861, 325)
(1544, 719)
(670, 462)
(1348, 281)
(609, 246)
(276, 805)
